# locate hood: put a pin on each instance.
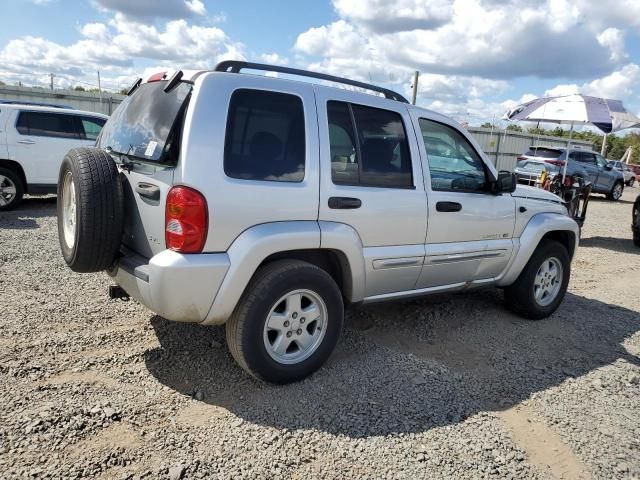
(534, 193)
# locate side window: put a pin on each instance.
(373, 153)
(454, 164)
(91, 127)
(265, 138)
(586, 157)
(45, 124)
(602, 162)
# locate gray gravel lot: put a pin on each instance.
(449, 386)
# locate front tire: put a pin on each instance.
(287, 322)
(616, 192)
(11, 189)
(542, 284)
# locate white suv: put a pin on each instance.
(33, 141)
(269, 204)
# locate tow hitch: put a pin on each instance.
(117, 292)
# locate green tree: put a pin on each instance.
(78, 88)
(515, 128)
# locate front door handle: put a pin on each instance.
(27, 142)
(344, 203)
(448, 207)
(147, 190)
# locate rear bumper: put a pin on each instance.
(176, 286)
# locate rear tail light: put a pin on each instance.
(521, 157)
(557, 163)
(186, 220)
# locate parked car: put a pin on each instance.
(629, 175)
(635, 221)
(635, 169)
(33, 141)
(269, 204)
(590, 166)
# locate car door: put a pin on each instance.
(606, 174)
(587, 161)
(371, 180)
(469, 237)
(40, 140)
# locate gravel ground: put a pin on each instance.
(450, 386)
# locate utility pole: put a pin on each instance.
(51, 75)
(99, 88)
(415, 87)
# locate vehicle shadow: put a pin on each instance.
(622, 245)
(603, 199)
(405, 367)
(25, 215)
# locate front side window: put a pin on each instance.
(265, 138)
(454, 164)
(368, 147)
(600, 160)
(45, 124)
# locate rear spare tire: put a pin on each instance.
(90, 210)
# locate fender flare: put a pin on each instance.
(537, 227)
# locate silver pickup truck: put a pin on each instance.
(271, 204)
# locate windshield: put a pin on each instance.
(543, 152)
(143, 124)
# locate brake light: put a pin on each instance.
(521, 157)
(557, 163)
(186, 220)
(156, 77)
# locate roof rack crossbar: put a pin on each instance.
(235, 66)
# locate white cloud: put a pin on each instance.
(273, 59)
(148, 9)
(116, 49)
(473, 37)
(613, 39)
(400, 15)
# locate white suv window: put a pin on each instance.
(265, 137)
(48, 124)
(454, 164)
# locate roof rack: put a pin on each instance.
(235, 66)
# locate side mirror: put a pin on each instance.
(608, 166)
(506, 182)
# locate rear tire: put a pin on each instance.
(635, 224)
(522, 298)
(90, 210)
(632, 180)
(268, 331)
(11, 189)
(616, 191)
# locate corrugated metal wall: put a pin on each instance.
(503, 146)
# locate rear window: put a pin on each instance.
(146, 123)
(543, 152)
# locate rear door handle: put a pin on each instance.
(448, 207)
(147, 190)
(26, 141)
(344, 203)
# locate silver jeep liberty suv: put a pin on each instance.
(270, 204)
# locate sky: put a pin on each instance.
(476, 58)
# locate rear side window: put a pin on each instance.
(368, 147)
(91, 127)
(265, 137)
(543, 152)
(45, 124)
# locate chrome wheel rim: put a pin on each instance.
(69, 218)
(7, 191)
(295, 326)
(548, 281)
(617, 191)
